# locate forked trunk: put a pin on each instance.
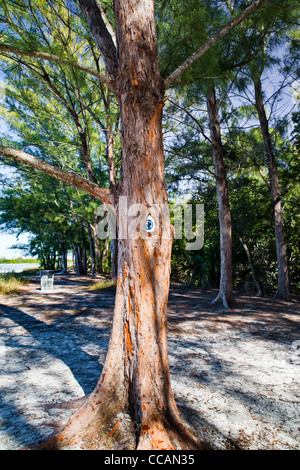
(226, 284)
(135, 379)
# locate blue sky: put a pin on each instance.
(8, 240)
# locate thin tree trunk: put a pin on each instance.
(112, 182)
(84, 261)
(77, 258)
(226, 283)
(97, 253)
(281, 250)
(64, 257)
(104, 254)
(248, 254)
(110, 147)
(92, 248)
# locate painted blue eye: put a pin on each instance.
(150, 224)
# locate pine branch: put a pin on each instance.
(67, 177)
(200, 127)
(54, 58)
(205, 47)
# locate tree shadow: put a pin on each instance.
(16, 425)
(64, 337)
(61, 340)
(194, 329)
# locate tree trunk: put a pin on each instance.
(281, 250)
(83, 261)
(92, 248)
(77, 258)
(135, 378)
(226, 283)
(97, 252)
(104, 255)
(64, 257)
(248, 254)
(54, 260)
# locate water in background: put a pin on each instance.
(17, 267)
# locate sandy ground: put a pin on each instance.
(235, 374)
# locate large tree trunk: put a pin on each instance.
(281, 250)
(226, 284)
(135, 378)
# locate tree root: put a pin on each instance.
(224, 299)
(102, 423)
(76, 403)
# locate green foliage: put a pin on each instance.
(18, 260)
(58, 114)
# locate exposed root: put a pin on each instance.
(153, 436)
(159, 435)
(282, 295)
(95, 424)
(227, 302)
(103, 424)
(182, 437)
(73, 404)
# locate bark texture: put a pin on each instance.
(281, 249)
(226, 283)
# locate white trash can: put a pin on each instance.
(47, 279)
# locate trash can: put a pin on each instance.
(47, 279)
